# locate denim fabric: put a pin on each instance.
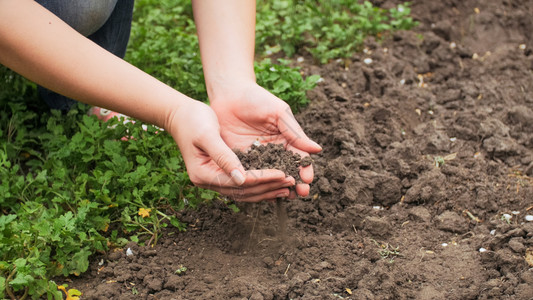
(105, 22)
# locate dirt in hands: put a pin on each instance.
(273, 156)
(421, 191)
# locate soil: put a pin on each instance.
(421, 191)
(273, 156)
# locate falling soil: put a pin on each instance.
(421, 192)
(275, 156)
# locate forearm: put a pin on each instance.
(41, 47)
(226, 31)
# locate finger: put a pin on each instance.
(280, 193)
(255, 177)
(256, 190)
(292, 195)
(225, 158)
(294, 134)
(302, 189)
(306, 173)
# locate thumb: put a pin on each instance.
(295, 135)
(225, 158)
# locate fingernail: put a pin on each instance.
(288, 182)
(316, 145)
(237, 177)
(282, 195)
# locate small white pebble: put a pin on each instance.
(507, 216)
(365, 50)
(475, 56)
(433, 25)
(482, 250)
(493, 232)
(402, 82)
(367, 60)
(129, 252)
(453, 139)
(515, 212)
(522, 46)
(377, 207)
(453, 45)
(300, 59)
(444, 244)
(385, 50)
(529, 218)
(430, 112)
(320, 80)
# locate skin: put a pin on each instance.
(44, 49)
(246, 111)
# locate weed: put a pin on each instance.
(181, 270)
(285, 82)
(387, 251)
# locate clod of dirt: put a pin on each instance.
(273, 156)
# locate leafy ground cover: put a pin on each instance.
(70, 187)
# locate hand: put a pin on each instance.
(247, 113)
(213, 165)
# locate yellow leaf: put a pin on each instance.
(144, 212)
(71, 294)
(348, 291)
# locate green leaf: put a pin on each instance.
(80, 261)
(2, 286)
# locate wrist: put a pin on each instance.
(219, 88)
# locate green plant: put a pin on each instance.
(332, 29)
(285, 82)
(387, 251)
(65, 179)
(181, 270)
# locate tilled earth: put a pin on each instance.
(421, 192)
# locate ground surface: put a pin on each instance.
(425, 149)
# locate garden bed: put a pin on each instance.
(421, 191)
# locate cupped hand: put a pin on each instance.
(248, 113)
(213, 165)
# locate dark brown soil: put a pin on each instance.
(273, 156)
(425, 150)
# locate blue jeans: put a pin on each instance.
(105, 22)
